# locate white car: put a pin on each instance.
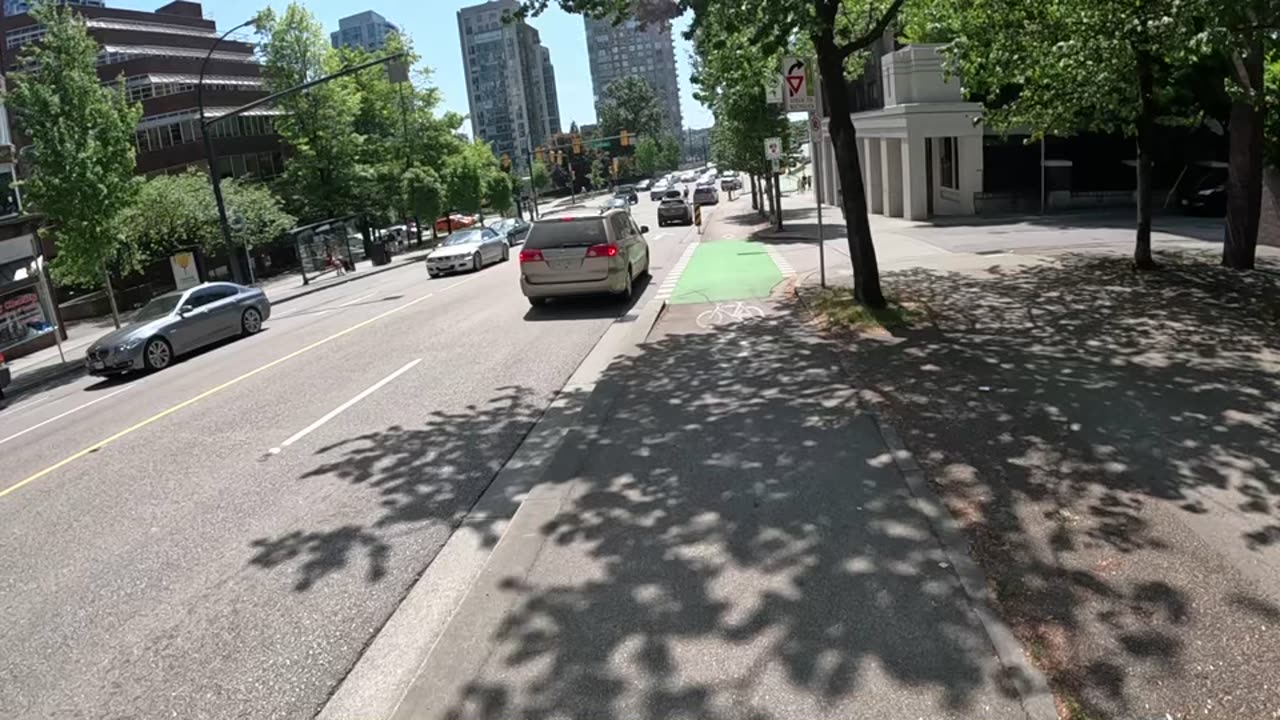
(468, 250)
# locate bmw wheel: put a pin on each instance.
(157, 354)
(506, 253)
(250, 321)
(476, 262)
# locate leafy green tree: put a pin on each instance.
(498, 192)
(539, 176)
(258, 208)
(82, 158)
(424, 195)
(1078, 65)
(835, 30)
(647, 155)
(322, 176)
(467, 173)
(668, 153)
(1245, 32)
(630, 104)
(173, 212)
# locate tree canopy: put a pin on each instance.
(82, 154)
(630, 104)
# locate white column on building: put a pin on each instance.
(970, 149)
(873, 175)
(915, 188)
(891, 175)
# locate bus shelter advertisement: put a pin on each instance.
(21, 318)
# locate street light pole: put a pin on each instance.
(214, 178)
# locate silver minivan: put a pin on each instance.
(586, 255)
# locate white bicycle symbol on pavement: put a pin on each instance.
(725, 313)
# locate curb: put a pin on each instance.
(71, 367)
(1025, 678)
(350, 277)
(1032, 687)
(385, 679)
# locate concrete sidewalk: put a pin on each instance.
(731, 539)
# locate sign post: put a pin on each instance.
(815, 144)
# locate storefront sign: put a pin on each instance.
(21, 318)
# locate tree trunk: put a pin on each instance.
(1146, 126)
(111, 296)
(862, 251)
(777, 192)
(768, 194)
(755, 198)
(1244, 171)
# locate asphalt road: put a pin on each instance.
(197, 564)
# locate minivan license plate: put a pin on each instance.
(561, 264)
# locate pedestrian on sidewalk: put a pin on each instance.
(332, 262)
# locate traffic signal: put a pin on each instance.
(625, 138)
(577, 145)
(506, 161)
(615, 166)
(537, 154)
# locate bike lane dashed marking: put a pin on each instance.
(673, 278)
(784, 266)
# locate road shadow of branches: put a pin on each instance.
(734, 542)
(421, 479)
(1108, 439)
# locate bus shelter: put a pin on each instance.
(324, 244)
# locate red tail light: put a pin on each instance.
(602, 250)
(531, 256)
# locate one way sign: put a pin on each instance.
(799, 85)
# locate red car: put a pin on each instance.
(458, 220)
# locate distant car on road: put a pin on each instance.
(730, 183)
(514, 229)
(688, 177)
(658, 190)
(616, 203)
(177, 323)
(674, 209)
(706, 195)
(454, 221)
(644, 185)
(468, 250)
(589, 255)
(1204, 191)
(628, 192)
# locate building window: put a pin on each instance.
(950, 161)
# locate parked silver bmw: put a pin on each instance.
(176, 323)
(468, 250)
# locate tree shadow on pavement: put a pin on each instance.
(421, 479)
(734, 542)
(1109, 441)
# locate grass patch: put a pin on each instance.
(837, 308)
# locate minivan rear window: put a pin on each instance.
(578, 232)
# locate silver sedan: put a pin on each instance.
(176, 323)
(468, 250)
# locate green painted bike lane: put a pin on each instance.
(726, 270)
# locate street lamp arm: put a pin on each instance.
(204, 64)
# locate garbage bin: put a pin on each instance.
(378, 253)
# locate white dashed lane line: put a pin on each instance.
(673, 278)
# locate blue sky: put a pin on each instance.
(433, 26)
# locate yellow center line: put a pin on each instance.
(212, 391)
